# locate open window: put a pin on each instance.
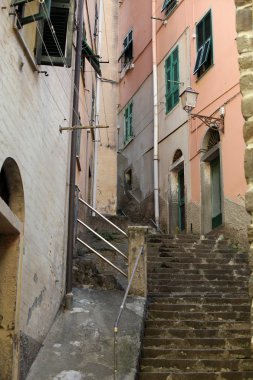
(54, 21)
(128, 123)
(91, 56)
(126, 56)
(168, 6)
(204, 57)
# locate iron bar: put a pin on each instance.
(102, 216)
(116, 328)
(102, 257)
(101, 237)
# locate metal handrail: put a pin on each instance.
(102, 257)
(116, 328)
(101, 237)
(102, 216)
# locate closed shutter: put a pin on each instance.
(172, 79)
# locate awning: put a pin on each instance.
(89, 54)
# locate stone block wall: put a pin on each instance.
(244, 22)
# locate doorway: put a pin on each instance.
(181, 201)
(11, 238)
(216, 192)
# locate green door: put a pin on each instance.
(216, 193)
(181, 201)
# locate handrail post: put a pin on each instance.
(137, 237)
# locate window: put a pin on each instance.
(126, 56)
(168, 6)
(172, 80)
(128, 123)
(91, 56)
(204, 45)
(55, 29)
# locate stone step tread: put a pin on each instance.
(182, 332)
(169, 323)
(201, 300)
(233, 375)
(197, 353)
(230, 270)
(198, 307)
(196, 277)
(196, 315)
(199, 294)
(210, 266)
(198, 281)
(194, 365)
(197, 342)
(202, 288)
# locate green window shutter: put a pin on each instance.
(128, 123)
(172, 79)
(43, 13)
(62, 19)
(204, 57)
(89, 54)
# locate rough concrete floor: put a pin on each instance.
(80, 343)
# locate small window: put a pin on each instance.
(126, 56)
(172, 80)
(128, 123)
(168, 6)
(204, 45)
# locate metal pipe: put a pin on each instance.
(72, 174)
(101, 237)
(116, 329)
(155, 104)
(102, 257)
(102, 216)
(98, 84)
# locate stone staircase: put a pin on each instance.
(197, 325)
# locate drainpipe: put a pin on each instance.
(98, 84)
(155, 92)
(72, 175)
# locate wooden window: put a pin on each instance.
(23, 11)
(126, 56)
(128, 123)
(56, 48)
(204, 57)
(168, 6)
(172, 80)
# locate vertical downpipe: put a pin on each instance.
(72, 175)
(155, 99)
(98, 84)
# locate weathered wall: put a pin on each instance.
(245, 49)
(32, 107)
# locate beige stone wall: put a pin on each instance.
(245, 48)
(32, 106)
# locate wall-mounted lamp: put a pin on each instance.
(189, 100)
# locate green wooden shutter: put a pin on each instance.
(44, 11)
(62, 19)
(172, 79)
(130, 120)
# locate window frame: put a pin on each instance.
(205, 50)
(169, 6)
(128, 123)
(127, 50)
(172, 84)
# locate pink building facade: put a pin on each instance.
(201, 169)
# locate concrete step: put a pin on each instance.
(191, 365)
(196, 375)
(159, 315)
(204, 332)
(199, 307)
(184, 343)
(232, 300)
(193, 353)
(195, 324)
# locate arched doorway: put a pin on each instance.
(177, 220)
(11, 237)
(211, 182)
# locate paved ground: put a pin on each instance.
(80, 343)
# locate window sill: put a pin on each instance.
(128, 142)
(126, 68)
(167, 113)
(203, 74)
